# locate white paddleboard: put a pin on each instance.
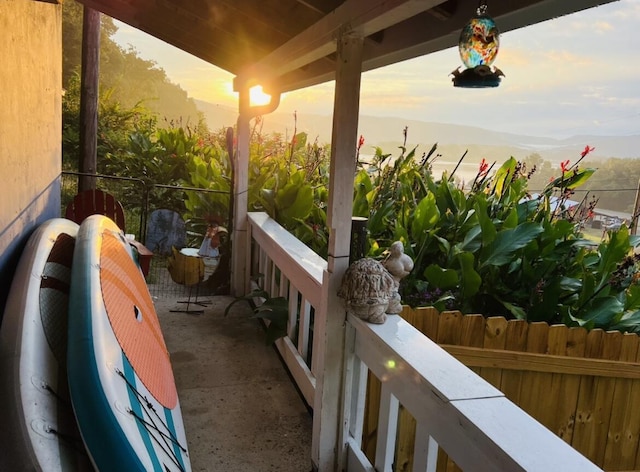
(38, 430)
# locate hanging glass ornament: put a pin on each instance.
(478, 46)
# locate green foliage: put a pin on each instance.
(620, 177)
(274, 311)
(493, 249)
(129, 79)
(288, 180)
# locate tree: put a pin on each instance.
(541, 175)
(129, 79)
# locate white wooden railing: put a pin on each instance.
(290, 269)
(455, 409)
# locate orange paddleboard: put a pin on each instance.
(120, 378)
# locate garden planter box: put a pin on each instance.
(580, 384)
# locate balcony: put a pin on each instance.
(242, 413)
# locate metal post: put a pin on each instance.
(358, 238)
(633, 229)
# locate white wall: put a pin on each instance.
(30, 124)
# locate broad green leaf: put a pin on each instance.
(489, 231)
(471, 242)
(601, 312)
(588, 287)
(471, 280)
(511, 221)
(300, 206)
(632, 298)
(515, 310)
(572, 179)
(443, 244)
(572, 285)
(629, 321)
(441, 278)
(546, 300)
(503, 175)
(507, 242)
(612, 252)
(425, 218)
(378, 222)
(300, 141)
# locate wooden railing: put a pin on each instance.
(472, 421)
(454, 409)
(286, 267)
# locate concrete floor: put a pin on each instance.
(242, 413)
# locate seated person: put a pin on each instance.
(211, 242)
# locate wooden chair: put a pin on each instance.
(97, 202)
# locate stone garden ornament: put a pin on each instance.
(370, 289)
(398, 264)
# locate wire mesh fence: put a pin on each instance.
(146, 208)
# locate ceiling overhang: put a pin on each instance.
(291, 44)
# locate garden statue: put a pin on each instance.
(366, 289)
(399, 265)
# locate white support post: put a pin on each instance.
(327, 454)
(240, 237)
(240, 244)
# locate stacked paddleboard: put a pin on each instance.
(82, 349)
(39, 430)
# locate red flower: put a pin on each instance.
(484, 167)
(564, 166)
(360, 142)
(586, 151)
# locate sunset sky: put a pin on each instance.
(574, 75)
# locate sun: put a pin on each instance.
(258, 97)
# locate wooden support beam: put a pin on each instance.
(89, 98)
(240, 237)
(319, 40)
(329, 336)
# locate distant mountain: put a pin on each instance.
(453, 140)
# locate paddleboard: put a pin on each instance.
(38, 429)
(120, 377)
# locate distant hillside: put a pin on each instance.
(452, 139)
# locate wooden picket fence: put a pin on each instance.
(582, 385)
